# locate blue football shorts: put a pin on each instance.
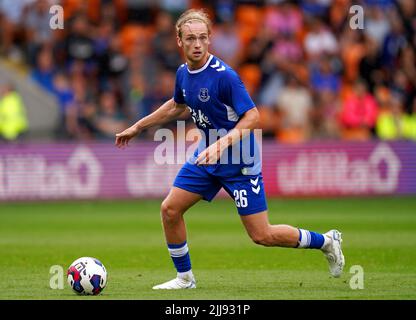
(246, 190)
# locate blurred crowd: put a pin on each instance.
(311, 72)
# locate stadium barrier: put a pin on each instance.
(52, 171)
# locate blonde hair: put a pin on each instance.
(192, 14)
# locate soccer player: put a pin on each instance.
(212, 93)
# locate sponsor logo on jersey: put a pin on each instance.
(199, 118)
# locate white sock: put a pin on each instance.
(188, 275)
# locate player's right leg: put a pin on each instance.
(192, 184)
(177, 202)
(172, 210)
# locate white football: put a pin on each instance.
(87, 276)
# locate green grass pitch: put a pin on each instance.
(379, 235)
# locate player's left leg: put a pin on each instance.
(250, 199)
(262, 232)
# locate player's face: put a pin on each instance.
(194, 43)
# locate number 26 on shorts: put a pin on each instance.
(240, 198)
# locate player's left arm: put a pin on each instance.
(248, 122)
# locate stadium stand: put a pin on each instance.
(119, 50)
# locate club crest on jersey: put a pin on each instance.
(203, 95)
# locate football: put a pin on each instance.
(87, 276)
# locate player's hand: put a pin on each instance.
(210, 155)
(123, 138)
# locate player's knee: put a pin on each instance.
(169, 213)
(263, 238)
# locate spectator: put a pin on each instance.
(393, 43)
(271, 89)
(352, 51)
(409, 123)
(401, 87)
(324, 116)
(164, 44)
(174, 7)
(294, 105)
(13, 120)
(38, 30)
(408, 67)
(226, 43)
(109, 119)
(153, 98)
(78, 43)
(359, 113)
(143, 61)
(44, 71)
(140, 11)
(390, 120)
(65, 97)
(11, 12)
(315, 7)
(258, 47)
(377, 25)
(224, 10)
(83, 99)
(283, 18)
(135, 94)
(102, 40)
(113, 65)
(319, 40)
(86, 121)
(324, 78)
(286, 48)
(407, 11)
(63, 91)
(370, 66)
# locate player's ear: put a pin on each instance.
(179, 41)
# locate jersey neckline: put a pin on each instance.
(202, 68)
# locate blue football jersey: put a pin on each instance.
(217, 99)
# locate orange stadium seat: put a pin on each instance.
(130, 33)
(249, 15)
(250, 75)
(291, 135)
(70, 7)
(88, 7)
(355, 134)
(249, 20)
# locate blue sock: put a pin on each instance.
(310, 239)
(180, 256)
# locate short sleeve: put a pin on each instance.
(178, 94)
(234, 94)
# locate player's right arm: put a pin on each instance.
(167, 112)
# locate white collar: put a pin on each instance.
(202, 68)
